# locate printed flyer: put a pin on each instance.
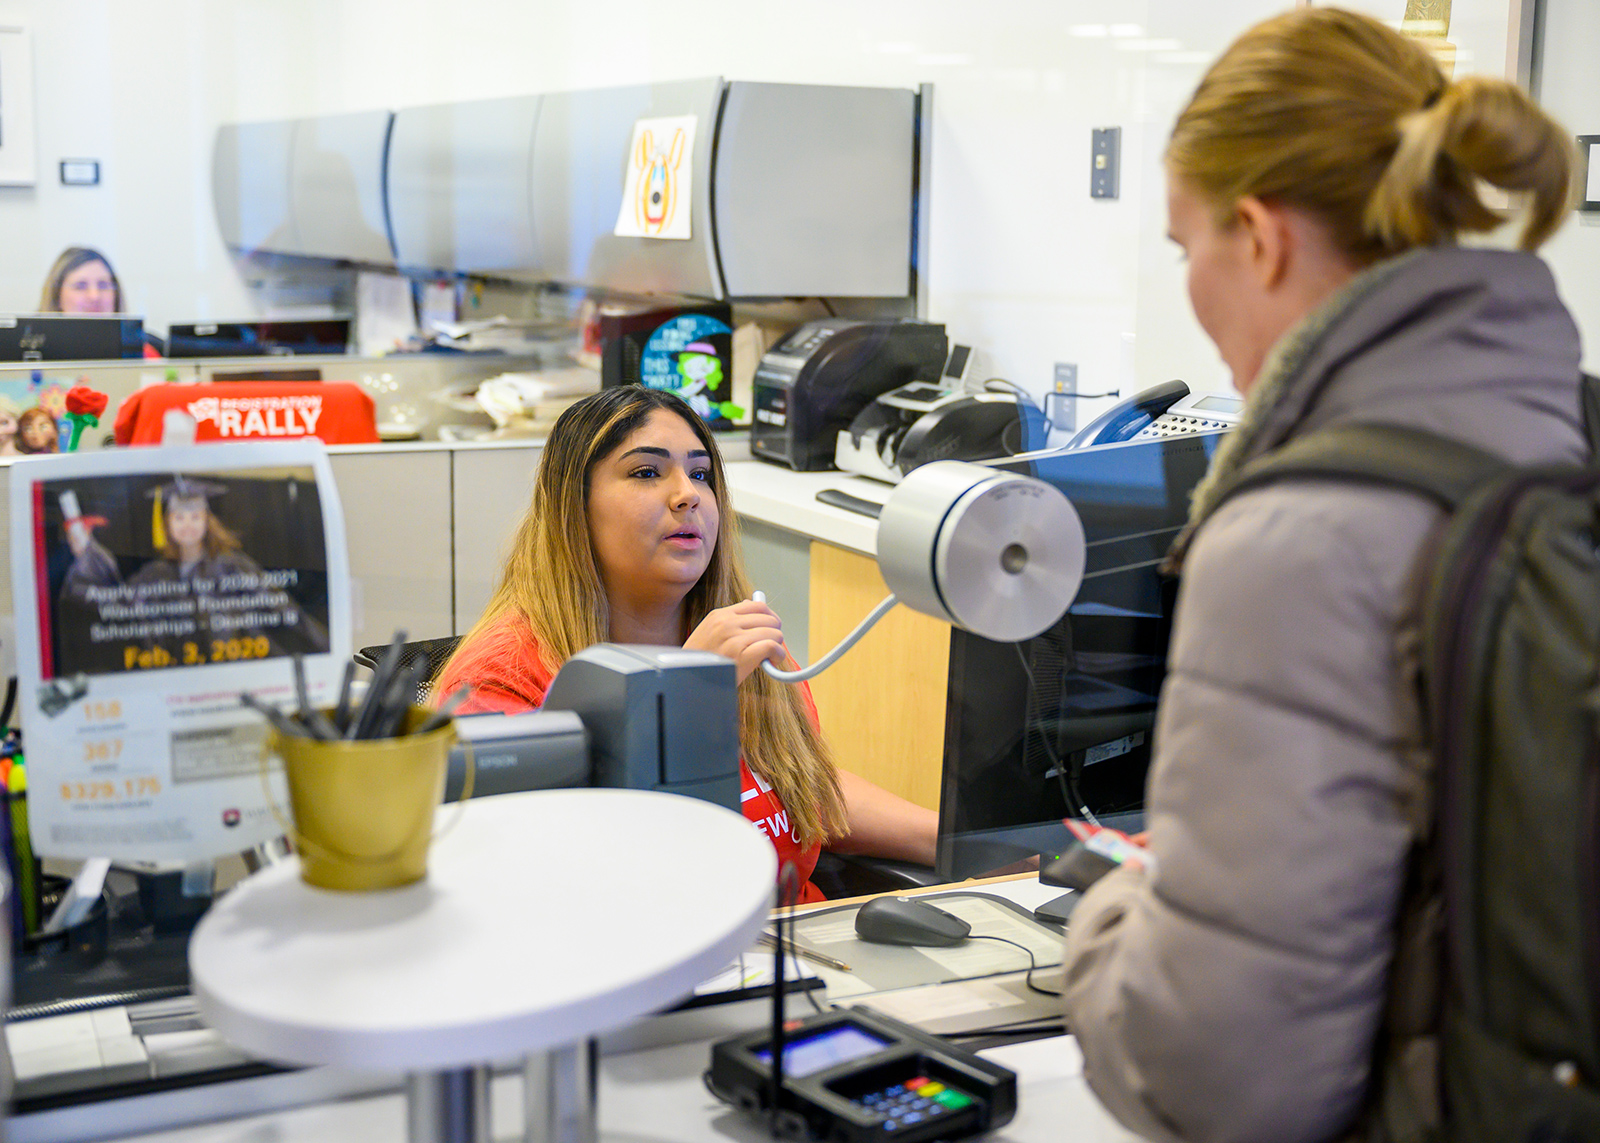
(151, 588)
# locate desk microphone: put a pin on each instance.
(788, 877)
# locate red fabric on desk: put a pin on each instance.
(338, 412)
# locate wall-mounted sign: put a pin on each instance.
(1589, 172)
(660, 180)
(80, 173)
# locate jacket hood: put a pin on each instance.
(1472, 344)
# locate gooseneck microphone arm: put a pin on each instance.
(828, 660)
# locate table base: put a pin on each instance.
(449, 1106)
(558, 1094)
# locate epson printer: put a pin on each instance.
(919, 423)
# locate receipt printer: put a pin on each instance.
(812, 384)
(628, 717)
(920, 423)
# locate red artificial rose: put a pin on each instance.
(85, 401)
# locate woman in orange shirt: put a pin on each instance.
(630, 538)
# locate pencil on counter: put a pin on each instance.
(767, 940)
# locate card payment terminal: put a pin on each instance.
(859, 1077)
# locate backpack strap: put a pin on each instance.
(1442, 469)
(1589, 393)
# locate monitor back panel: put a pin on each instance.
(1043, 728)
(259, 338)
(70, 337)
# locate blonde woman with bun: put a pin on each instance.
(631, 538)
(1320, 183)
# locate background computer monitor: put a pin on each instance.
(255, 338)
(1065, 719)
(70, 337)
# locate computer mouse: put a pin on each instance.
(908, 921)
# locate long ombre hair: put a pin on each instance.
(551, 581)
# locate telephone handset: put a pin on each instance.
(1123, 420)
(1163, 410)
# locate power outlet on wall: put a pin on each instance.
(1059, 407)
(1104, 149)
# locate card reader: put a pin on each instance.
(859, 1077)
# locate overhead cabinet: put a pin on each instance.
(460, 181)
(702, 187)
(581, 158)
(311, 187)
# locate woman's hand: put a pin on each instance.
(747, 633)
(77, 538)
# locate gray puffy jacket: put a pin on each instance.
(1235, 994)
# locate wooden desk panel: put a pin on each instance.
(883, 704)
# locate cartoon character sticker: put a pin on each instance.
(660, 179)
(686, 356)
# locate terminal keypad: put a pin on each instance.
(913, 1103)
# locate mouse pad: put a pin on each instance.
(832, 932)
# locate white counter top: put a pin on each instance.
(788, 499)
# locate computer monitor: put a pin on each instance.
(1037, 730)
(70, 337)
(259, 338)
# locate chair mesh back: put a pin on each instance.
(435, 651)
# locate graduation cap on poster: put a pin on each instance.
(179, 488)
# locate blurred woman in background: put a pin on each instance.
(81, 282)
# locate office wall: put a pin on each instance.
(1568, 43)
(1023, 264)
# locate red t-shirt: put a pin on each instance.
(338, 412)
(507, 677)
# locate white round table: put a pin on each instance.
(546, 918)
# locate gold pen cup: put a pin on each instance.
(363, 808)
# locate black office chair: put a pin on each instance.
(437, 651)
(851, 875)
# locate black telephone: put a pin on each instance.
(859, 1077)
(1126, 418)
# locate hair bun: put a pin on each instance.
(1341, 115)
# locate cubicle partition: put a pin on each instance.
(427, 527)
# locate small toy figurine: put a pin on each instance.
(37, 432)
(8, 426)
(84, 406)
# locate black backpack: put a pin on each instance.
(1492, 1031)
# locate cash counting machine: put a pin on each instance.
(920, 423)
